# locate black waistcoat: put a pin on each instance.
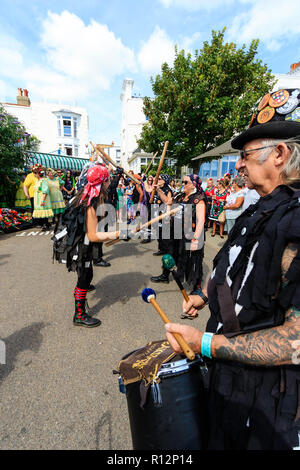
(245, 291)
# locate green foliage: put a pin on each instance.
(201, 102)
(14, 143)
(167, 170)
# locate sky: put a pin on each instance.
(80, 51)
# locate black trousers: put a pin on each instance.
(85, 276)
(97, 251)
(85, 271)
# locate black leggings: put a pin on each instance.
(84, 277)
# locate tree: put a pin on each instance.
(14, 143)
(167, 170)
(202, 102)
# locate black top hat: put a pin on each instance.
(277, 117)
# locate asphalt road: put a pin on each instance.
(57, 389)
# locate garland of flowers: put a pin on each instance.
(11, 219)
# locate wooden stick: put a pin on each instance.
(149, 166)
(108, 159)
(178, 282)
(147, 224)
(182, 343)
(159, 170)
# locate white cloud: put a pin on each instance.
(89, 53)
(160, 48)
(195, 5)
(271, 21)
(77, 60)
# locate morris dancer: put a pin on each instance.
(163, 197)
(189, 250)
(81, 219)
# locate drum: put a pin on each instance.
(173, 417)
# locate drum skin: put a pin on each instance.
(179, 424)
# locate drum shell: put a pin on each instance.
(179, 423)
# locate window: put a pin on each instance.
(228, 164)
(67, 123)
(205, 170)
(224, 168)
(76, 151)
(67, 126)
(214, 169)
(68, 150)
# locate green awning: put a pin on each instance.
(49, 160)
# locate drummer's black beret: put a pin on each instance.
(277, 117)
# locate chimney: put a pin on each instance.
(23, 100)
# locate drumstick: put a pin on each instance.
(149, 296)
(147, 224)
(169, 264)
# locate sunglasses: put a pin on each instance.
(243, 153)
(185, 182)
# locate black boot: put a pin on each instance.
(164, 277)
(101, 262)
(81, 318)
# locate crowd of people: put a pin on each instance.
(44, 193)
(227, 200)
(250, 342)
(252, 398)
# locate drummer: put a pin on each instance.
(252, 335)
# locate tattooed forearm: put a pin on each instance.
(270, 347)
(288, 255)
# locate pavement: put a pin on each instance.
(57, 387)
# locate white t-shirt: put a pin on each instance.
(231, 199)
(250, 197)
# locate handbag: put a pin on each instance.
(222, 217)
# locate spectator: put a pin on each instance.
(22, 203)
(42, 202)
(68, 188)
(29, 184)
(209, 192)
(218, 202)
(57, 200)
(234, 202)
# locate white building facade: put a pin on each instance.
(113, 151)
(61, 129)
(132, 122)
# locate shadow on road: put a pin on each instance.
(133, 248)
(119, 287)
(28, 338)
(2, 257)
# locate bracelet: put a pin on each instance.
(201, 294)
(206, 344)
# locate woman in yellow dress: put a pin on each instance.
(42, 202)
(22, 203)
(57, 200)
